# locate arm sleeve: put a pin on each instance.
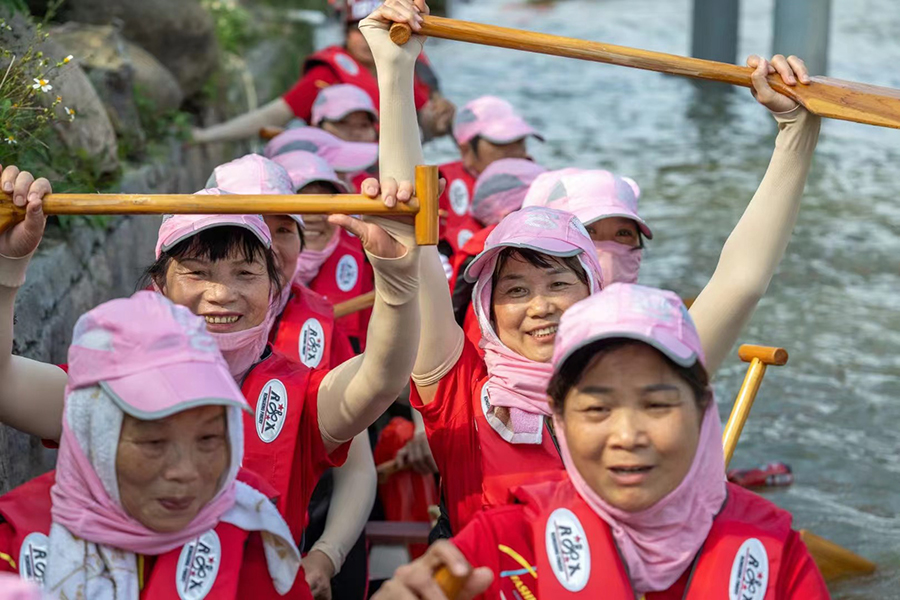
(351, 502)
(799, 577)
(757, 244)
(31, 393)
(276, 113)
(301, 97)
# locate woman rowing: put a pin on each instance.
(149, 473)
(222, 268)
(644, 510)
(303, 330)
(485, 419)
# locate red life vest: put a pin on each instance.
(305, 328)
(505, 466)
(346, 68)
(216, 564)
(276, 391)
(576, 555)
(459, 225)
(345, 275)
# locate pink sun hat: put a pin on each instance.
(154, 357)
(337, 101)
(357, 10)
(501, 188)
(345, 157)
(305, 167)
(492, 118)
(545, 230)
(177, 228)
(590, 194)
(624, 310)
(253, 174)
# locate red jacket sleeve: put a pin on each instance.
(301, 97)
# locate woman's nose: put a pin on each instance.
(540, 306)
(626, 430)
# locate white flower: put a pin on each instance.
(70, 113)
(41, 84)
(68, 59)
(11, 140)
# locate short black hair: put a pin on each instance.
(540, 260)
(216, 243)
(570, 373)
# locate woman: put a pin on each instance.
(220, 266)
(519, 320)
(346, 111)
(607, 206)
(304, 331)
(644, 510)
(149, 471)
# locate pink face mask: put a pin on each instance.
(242, 349)
(618, 263)
(310, 261)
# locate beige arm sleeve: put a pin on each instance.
(351, 502)
(274, 114)
(757, 244)
(31, 392)
(400, 150)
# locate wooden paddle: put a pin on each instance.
(361, 302)
(424, 207)
(833, 560)
(267, 133)
(825, 96)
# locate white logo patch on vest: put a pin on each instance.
(271, 410)
(347, 273)
(198, 565)
(312, 343)
(750, 572)
(33, 557)
(347, 64)
(568, 550)
(463, 238)
(459, 197)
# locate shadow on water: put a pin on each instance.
(698, 154)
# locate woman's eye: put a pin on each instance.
(560, 284)
(515, 291)
(625, 233)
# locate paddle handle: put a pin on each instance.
(361, 302)
(554, 45)
(386, 469)
(767, 354)
(269, 132)
(449, 583)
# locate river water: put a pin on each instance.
(833, 412)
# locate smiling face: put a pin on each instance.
(615, 229)
(528, 301)
(358, 126)
(169, 469)
(286, 244)
(632, 425)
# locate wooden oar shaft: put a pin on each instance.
(353, 305)
(742, 406)
(835, 561)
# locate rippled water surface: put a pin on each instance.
(833, 412)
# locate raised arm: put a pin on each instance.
(276, 114)
(755, 247)
(31, 392)
(400, 150)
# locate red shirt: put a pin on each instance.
(502, 539)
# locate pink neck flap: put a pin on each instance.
(310, 261)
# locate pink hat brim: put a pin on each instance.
(176, 387)
(592, 214)
(506, 131)
(672, 347)
(543, 245)
(350, 157)
(190, 232)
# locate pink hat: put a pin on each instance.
(155, 358)
(590, 195)
(177, 228)
(305, 167)
(493, 119)
(346, 157)
(623, 310)
(545, 230)
(337, 101)
(357, 10)
(253, 174)
(501, 188)
(14, 588)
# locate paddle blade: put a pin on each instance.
(848, 101)
(834, 561)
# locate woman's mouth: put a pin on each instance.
(544, 333)
(221, 323)
(176, 504)
(630, 475)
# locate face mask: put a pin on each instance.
(242, 349)
(618, 263)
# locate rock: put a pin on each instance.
(179, 33)
(153, 81)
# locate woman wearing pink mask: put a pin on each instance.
(644, 510)
(149, 473)
(486, 419)
(222, 268)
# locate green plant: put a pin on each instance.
(234, 25)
